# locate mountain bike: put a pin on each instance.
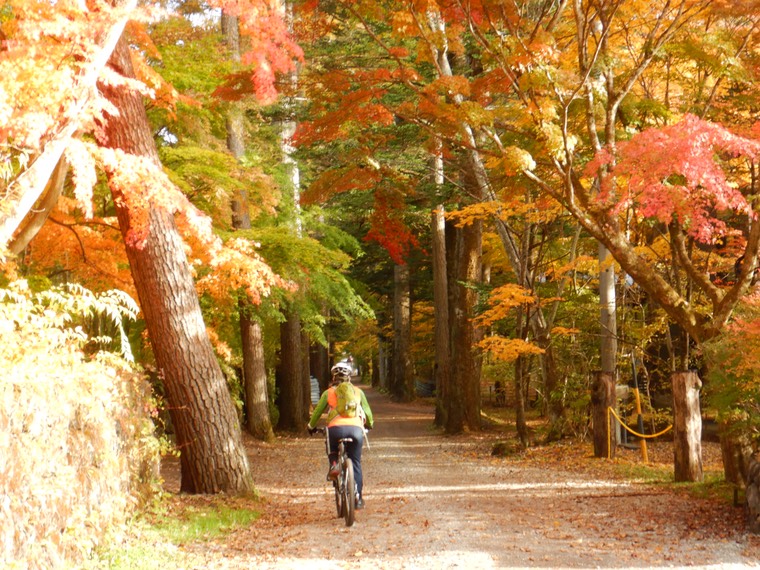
(344, 484)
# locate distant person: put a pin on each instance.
(501, 393)
(348, 413)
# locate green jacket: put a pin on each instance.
(322, 405)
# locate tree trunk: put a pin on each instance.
(403, 382)
(292, 412)
(375, 376)
(550, 375)
(255, 386)
(383, 366)
(258, 420)
(305, 372)
(520, 422)
(602, 399)
(687, 427)
(464, 402)
(441, 303)
(212, 455)
(608, 311)
(319, 365)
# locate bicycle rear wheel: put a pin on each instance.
(349, 494)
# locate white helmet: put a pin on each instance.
(342, 369)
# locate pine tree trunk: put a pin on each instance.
(687, 427)
(291, 400)
(212, 456)
(258, 420)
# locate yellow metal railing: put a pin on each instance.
(611, 411)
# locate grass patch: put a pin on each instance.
(646, 473)
(154, 539)
(203, 523)
(713, 487)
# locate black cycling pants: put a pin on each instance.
(353, 449)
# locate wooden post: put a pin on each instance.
(687, 426)
(602, 398)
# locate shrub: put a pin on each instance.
(75, 432)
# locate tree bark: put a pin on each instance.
(608, 312)
(521, 424)
(403, 381)
(212, 456)
(319, 365)
(292, 412)
(687, 427)
(441, 303)
(464, 403)
(602, 399)
(258, 420)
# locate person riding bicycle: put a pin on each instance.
(342, 425)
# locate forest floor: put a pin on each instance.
(435, 502)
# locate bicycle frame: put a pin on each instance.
(345, 484)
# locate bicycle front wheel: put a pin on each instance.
(338, 498)
(349, 494)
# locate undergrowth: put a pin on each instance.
(155, 539)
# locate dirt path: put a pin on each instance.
(435, 502)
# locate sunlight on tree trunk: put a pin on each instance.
(687, 427)
(441, 302)
(464, 410)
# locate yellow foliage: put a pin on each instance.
(508, 349)
(473, 213)
(565, 331)
(517, 160)
(77, 440)
(582, 263)
(502, 300)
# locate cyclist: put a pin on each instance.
(342, 426)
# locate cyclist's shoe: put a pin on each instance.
(359, 504)
(332, 475)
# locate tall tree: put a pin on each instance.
(255, 384)
(208, 435)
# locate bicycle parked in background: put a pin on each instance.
(344, 484)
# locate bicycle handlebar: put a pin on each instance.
(323, 430)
